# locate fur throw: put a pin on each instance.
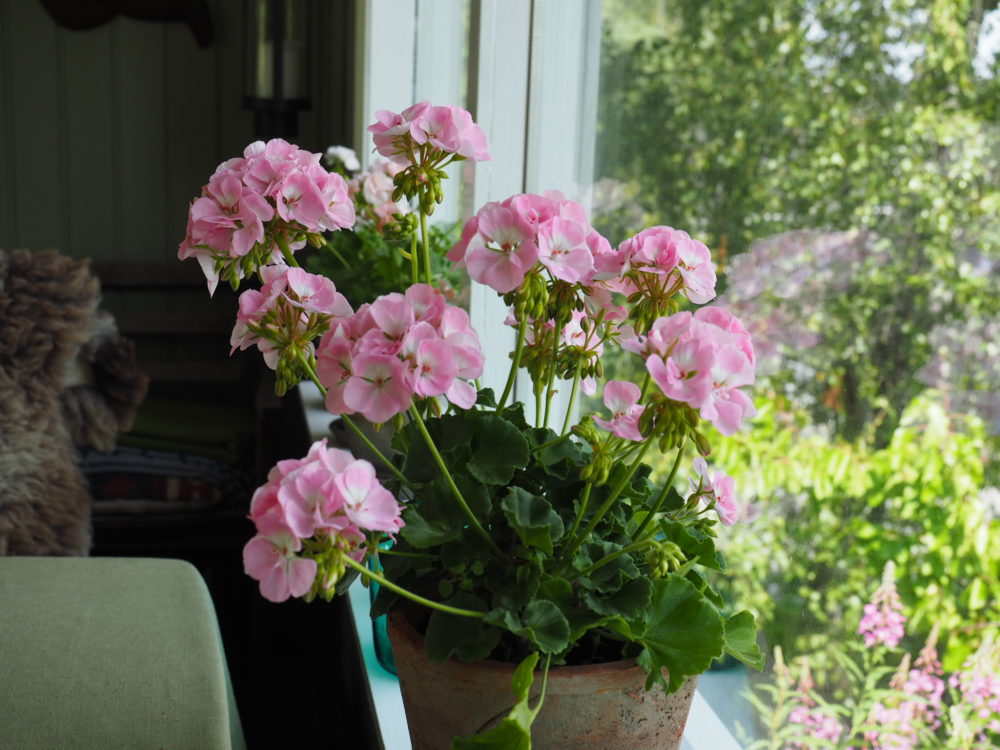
(103, 387)
(47, 308)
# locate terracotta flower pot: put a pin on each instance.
(598, 707)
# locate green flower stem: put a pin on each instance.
(615, 492)
(451, 482)
(611, 557)
(285, 251)
(383, 581)
(515, 364)
(549, 386)
(662, 497)
(551, 443)
(401, 553)
(378, 454)
(427, 247)
(645, 387)
(572, 396)
(357, 430)
(545, 684)
(584, 502)
(414, 263)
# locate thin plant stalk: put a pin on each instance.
(574, 391)
(662, 497)
(515, 364)
(427, 247)
(285, 251)
(606, 506)
(451, 482)
(383, 581)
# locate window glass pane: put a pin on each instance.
(840, 160)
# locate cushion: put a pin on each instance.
(111, 653)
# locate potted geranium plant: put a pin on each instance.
(522, 538)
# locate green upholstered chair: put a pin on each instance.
(110, 653)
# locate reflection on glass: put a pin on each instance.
(841, 159)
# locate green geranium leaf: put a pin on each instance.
(546, 626)
(612, 575)
(741, 639)
(514, 732)
(500, 450)
(467, 638)
(451, 434)
(695, 543)
(486, 398)
(681, 632)
(628, 601)
(422, 533)
(532, 517)
(542, 623)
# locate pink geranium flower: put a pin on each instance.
(622, 400)
(271, 559)
(377, 388)
(718, 490)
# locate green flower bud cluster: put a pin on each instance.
(400, 228)
(602, 462)
(422, 182)
(664, 558)
(645, 309)
(531, 299)
(670, 423)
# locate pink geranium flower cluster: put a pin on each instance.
(703, 360)
(883, 619)
(506, 240)
(666, 258)
(329, 497)
(372, 193)
(290, 310)
(446, 130)
(400, 347)
(275, 194)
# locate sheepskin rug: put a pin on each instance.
(47, 310)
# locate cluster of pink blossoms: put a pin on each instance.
(447, 129)
(702, 360)
(328, 495)
(289, 310)
(505, 240)
(668, 258)
(372, 193)
(400, 347)
(883, 619)
(979, 684)
(275, 190)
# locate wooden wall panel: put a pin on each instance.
(89, 134)
(8, 216)
(140, 111)
(39, 152)
(106, 135)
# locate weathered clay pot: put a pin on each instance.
(599, 707)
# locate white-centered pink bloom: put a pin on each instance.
(622, 400)
(377, 388)
(718, 489)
